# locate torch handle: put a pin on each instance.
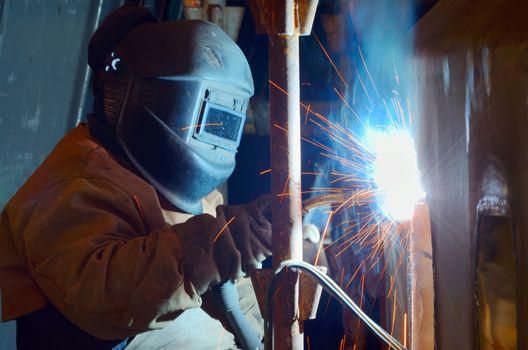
(226, 297)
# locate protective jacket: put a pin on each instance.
(87, 234)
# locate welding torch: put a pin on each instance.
(344, 198)
(334, 290)
(226, 294)
(341, 199)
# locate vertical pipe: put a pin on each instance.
(286, 179)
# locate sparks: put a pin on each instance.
(223, 229)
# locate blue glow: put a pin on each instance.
(395, 172)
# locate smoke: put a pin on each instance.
(373, 76)
(380, 49)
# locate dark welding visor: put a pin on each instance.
(195, 110)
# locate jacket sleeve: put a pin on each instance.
(88, 249)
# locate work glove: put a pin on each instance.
(250, 230)
(211, 254)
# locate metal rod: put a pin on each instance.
(343, 199)
(284, 21)
(286, 177)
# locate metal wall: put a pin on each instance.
(43, 77)
(41, 43)
(472, 65)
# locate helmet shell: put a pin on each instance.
(184, 107)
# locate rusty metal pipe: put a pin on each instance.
(286, 177)
(284, 21)
(286, 148)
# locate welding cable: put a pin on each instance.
(226, 297)
(331, 287)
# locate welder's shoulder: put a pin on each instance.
(101, 165)
(79, 156)
(76, 156)
(64, 162)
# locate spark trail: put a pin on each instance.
(373, 183)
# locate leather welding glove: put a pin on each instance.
(211, 254)
(250, 230)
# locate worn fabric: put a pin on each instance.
(47, 328)
(87, 234)
(194, 329)
(199, 329)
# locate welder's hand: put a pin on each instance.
(250, 230)
(211, 254)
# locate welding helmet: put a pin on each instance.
(179, 93)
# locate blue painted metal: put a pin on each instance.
(44, 86)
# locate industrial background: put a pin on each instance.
(455, 279)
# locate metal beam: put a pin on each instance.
(284, 21)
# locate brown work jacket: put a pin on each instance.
(89, 235)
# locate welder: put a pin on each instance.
(115, 238)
